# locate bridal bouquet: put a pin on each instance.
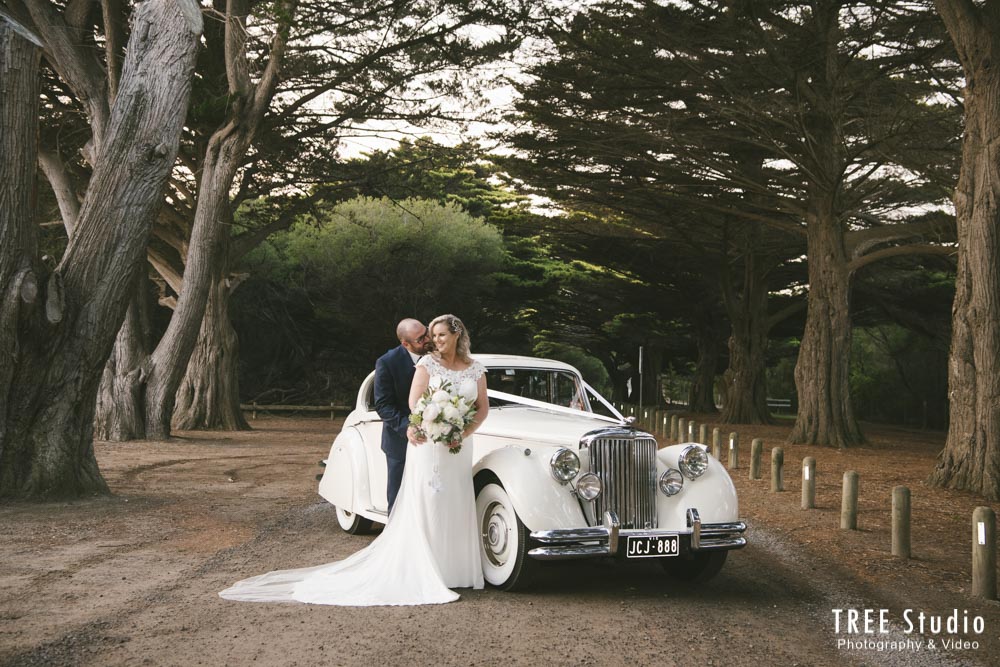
(443, 411)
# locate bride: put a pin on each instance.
(429, 544)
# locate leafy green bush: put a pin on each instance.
(359, 267)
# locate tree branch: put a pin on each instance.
(858, 242)
(62, 186)
(77, 66)
(114, 43)
(272, 72)
(900, 250)
(237, 69)
(165, 269)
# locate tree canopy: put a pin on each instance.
(363, 265)
(747, 134)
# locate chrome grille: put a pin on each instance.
(626, 463)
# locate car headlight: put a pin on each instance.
(671, 482)
(589, 486)
(565, 465)
(693, 462)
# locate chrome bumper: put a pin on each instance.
(596, 541)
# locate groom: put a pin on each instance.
(393, 376)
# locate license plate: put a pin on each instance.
(655, 546)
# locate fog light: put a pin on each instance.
(589, 486)
(671, 482)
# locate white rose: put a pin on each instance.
(468, 390)
(452, 414)
(462, 406)
(431, 412)
(440, 397)
(434, 382)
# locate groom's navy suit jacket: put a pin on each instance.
(393, 377)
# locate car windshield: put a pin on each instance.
(550, 386)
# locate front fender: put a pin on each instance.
(712, 494)
(541, 502)
(345, 478)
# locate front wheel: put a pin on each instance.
(353, 523)
(503, 540)
(696, 569)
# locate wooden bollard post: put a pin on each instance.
(756, 451)
(734, 451)
(692, 431)
(664, 424)
(901, 521)
(777, 462)
(984, 553)
(808, 483)
(717, 443)
(849, 502)
(703, 434)
(254, 416)
(673, 427)
(682, 430)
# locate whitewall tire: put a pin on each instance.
(353, 523)
(503, 540)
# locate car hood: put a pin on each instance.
(538, 425)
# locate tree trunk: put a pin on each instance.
(51, 380)
(150, 393)
(822, 372)
(971, 456)
(701, 395)
(209, 395)
(224, 155)
(746, 377)
(19, 83)
(170, 360)
(120, 414)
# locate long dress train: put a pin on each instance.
(429, 545)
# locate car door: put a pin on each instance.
(370, 428)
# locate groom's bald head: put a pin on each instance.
(412, 334)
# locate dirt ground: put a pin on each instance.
(131, 579)
(941, 519)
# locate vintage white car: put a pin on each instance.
(559, 474)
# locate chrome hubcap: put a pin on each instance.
(495, 533)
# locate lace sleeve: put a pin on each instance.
(427, 361)
(477, 370)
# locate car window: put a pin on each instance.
(370, 396)
(556, 387)
(598, 407)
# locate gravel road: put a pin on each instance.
(132, 580)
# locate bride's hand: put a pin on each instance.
(415, 436)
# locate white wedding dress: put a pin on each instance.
(429, 545)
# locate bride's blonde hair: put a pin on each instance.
(455, 325)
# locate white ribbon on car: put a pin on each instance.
(530, 402)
